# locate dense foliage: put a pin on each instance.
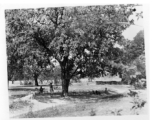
(81, 39)
(134, 59)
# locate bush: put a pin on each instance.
(26, 82)
(137, 104)
(117, 112)
(92, 112)
(140, 85)
(135, 72)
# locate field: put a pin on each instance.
(81, 101)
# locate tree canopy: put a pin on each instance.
(81, 39)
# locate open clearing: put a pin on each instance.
(80, 102)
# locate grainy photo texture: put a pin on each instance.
(76, 61)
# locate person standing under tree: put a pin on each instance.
(41, 89)
(51, 89)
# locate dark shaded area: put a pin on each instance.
(96, 96)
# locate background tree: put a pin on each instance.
(133, 49)
(35, 64)
(15, 60)
(134, 59)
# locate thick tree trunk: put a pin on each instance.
(65, 76)
(65, 87)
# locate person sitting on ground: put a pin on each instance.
(106, 91)
(41, 89)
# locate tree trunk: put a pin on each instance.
(36, 81)
(65, 87)
(102, 73)
(65, 76)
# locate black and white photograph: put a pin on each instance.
(76, 61)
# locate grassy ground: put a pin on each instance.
(79, 106)
(79, 103)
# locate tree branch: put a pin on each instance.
(74, 73)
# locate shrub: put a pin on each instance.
(117, 112)
(92, 112)
(137, 104)
(135, 72)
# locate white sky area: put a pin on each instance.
(132, 31)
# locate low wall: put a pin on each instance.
(108, 82)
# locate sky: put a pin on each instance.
(132, 31)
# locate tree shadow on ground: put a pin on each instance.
(82, 96)
(21, 89)
(74, 96)
(89, 97)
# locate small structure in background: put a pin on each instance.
(110, 80)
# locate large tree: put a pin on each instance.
(81, 39)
